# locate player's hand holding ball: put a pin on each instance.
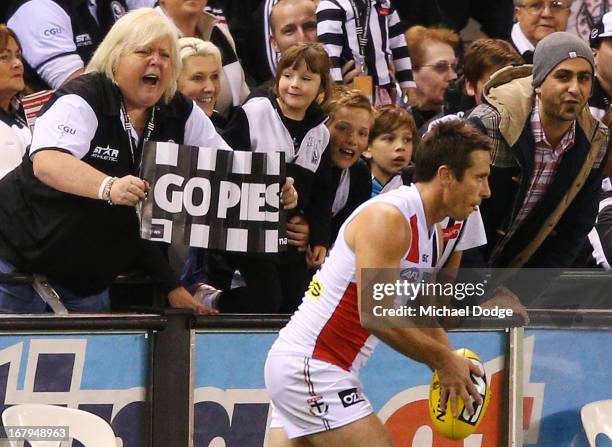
(454, 419)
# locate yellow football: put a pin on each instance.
(464, 425)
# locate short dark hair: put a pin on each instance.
(485, 54)
(276, 6)
(5, 34)
(389, 118)
(448, 144)
(344, 97)
(316, 59)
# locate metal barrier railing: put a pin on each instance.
(172, 353)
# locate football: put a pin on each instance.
(464, 425)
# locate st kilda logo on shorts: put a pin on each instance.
(350, 397)
(318, 407)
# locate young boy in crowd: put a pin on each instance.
(390, 152)
(483, 58)
(390, 148)
(351, 117)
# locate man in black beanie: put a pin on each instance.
(547, 159)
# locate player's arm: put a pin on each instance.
(454, 260)
(379, 236)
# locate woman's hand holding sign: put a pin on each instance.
(128, 190)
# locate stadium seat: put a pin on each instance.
(87, 428)
(597, 418)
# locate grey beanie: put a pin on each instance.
(554, 49)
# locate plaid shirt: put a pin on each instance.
(545, 165)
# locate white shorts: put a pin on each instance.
(310, 396)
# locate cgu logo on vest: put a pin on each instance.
(66, 129)
(52, 32)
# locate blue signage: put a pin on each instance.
(230, 387)
(103, 374)
(563, 370)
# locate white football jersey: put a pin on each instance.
(327, 326)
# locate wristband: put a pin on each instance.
(103, 187)
(107, 190)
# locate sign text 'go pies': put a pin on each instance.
(209, 198)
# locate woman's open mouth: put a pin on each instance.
(151, 80)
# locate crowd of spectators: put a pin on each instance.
(363, 79)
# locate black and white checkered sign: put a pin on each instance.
(209, 198)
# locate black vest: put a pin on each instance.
(83, 242)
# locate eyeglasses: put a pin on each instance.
(537, 7)
(441, 66)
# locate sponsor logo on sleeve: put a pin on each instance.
(66, 129)
(315, 289)
(53, 31)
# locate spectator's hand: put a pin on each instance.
(349, 71)
(409, 95)
(315, 256)
(129, 190)
(180, 298)
(455, 381)
(207, 296)
(505, 299)
(298, 232)
(289, 196)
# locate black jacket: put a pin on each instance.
(359, 191)
(509, 186)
